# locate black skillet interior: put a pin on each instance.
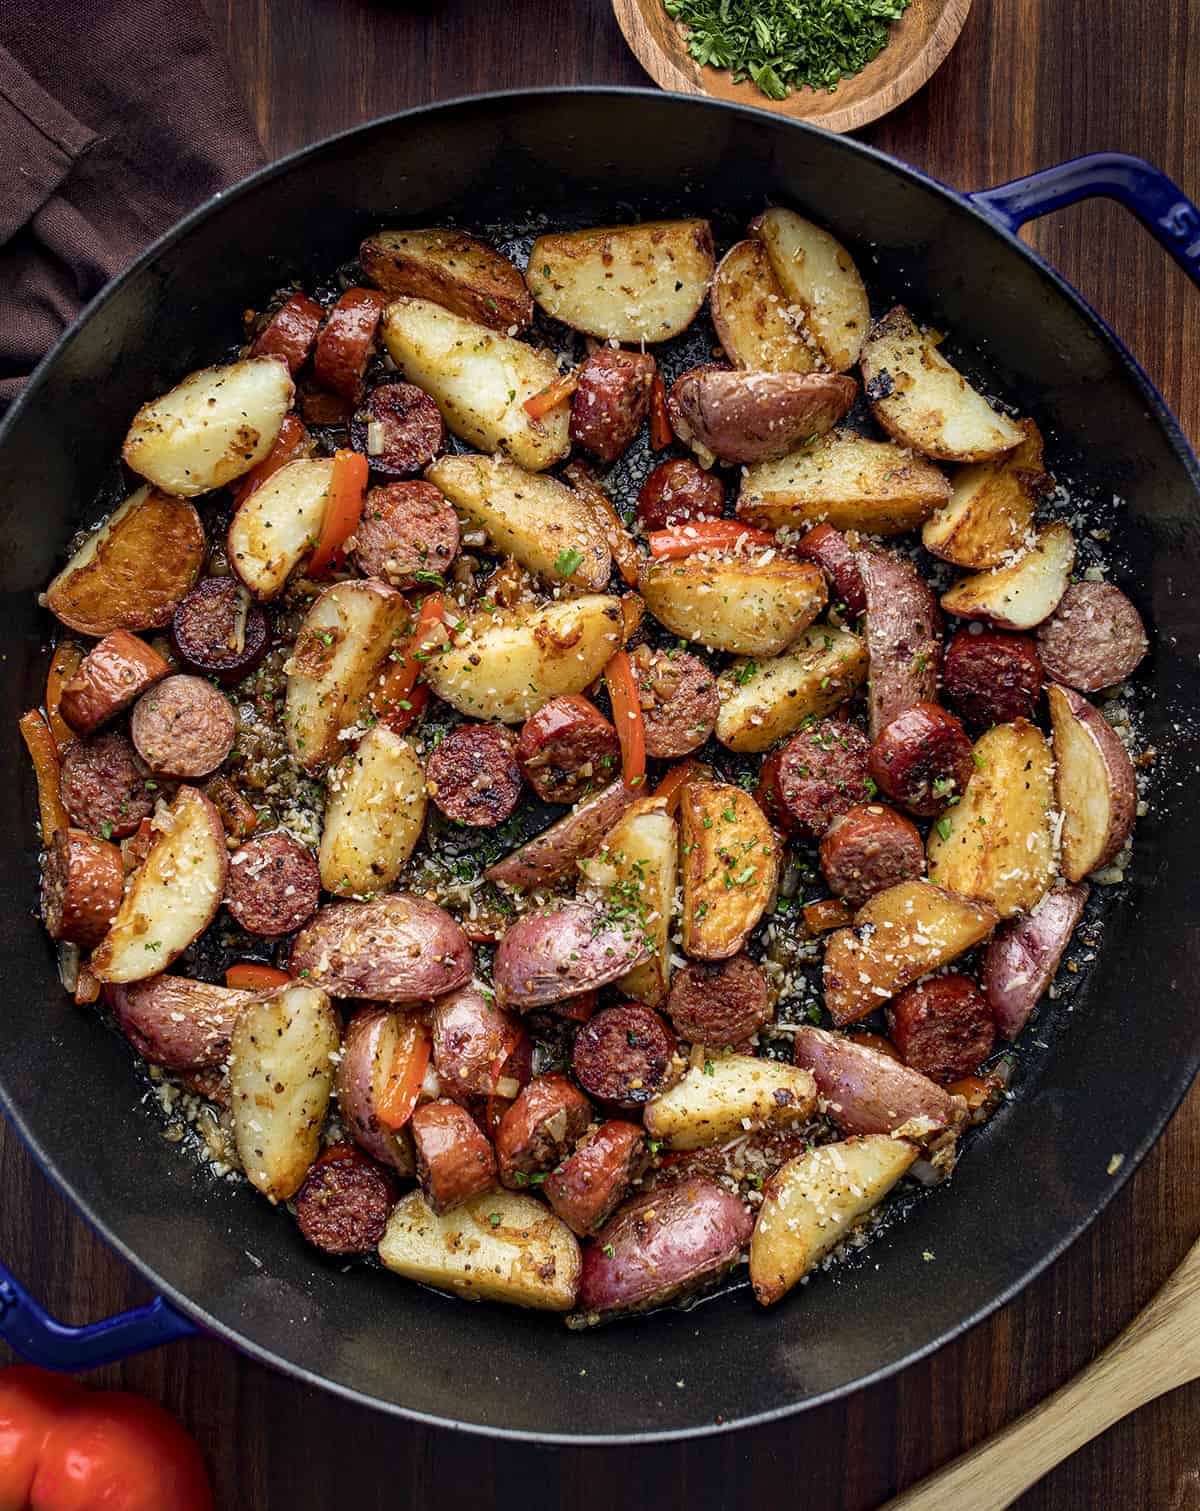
(1115, 1065)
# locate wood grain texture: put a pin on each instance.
(918, 44)
(1028, 84)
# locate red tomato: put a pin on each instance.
(31, 1401)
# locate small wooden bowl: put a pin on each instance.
(919, 42)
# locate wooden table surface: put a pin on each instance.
(1031, 82)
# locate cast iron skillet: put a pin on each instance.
(1035, 1178)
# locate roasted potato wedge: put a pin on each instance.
(899, 935)
(399, 948)
(818, 276)
(1019, 596)
(624, 283)
(637, 864)
(554, 853)
(875, 487)
(726, 1095)
(812, 1203)
(364, 1072)
(274, 529)
(754, 608)
(730, 868)
(538, 521)
(172, 897)
(505, 666)
(997, 841)
(754, 416)
(867, 1091)
(346, 637)
(903, 632)
(452, 269)
(480, 381)
(1094, 777)
(281, 1063)
(762, 701)
(131, 572)
(177, 1022)
(750, 314)
(373, 815)
(990, 510)
(561, 952)
(501, 1246)
(923, 402)
(216, 425)
(1023, 955)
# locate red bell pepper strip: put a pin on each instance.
(555, 392)
(627, 717)
(410, 1061)
(344, 510)
(832, 913)
(63, 665)
(44, 754)
(705, 535)
(250, 976)
(672, 785)
(399, 697)
(514, 1043)
(293, 441)
(661, 434)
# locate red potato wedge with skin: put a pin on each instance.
(553, 853)
(865, 1091)
(469, 1034)
(819, 281)
(1095, 782)
(754, 416)
(903, 635)
(368, 1049)
(1023, 955)
(274, 529)
(990, 509)
(1022, 595)
(171, 898)
(661, 1246)
(176, 1022)
(398, 948)
(562, 952)
(751, 317)
(452, 269)
(752, 607)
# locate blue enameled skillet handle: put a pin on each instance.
(1161, 206)
(32, 1332)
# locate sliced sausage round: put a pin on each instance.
(103, 788)
(869, 848)
(568, 748)
(541, 1128)
(922, 759)
(831, 551)
(1094, 638)
(611, 400)
(990, 677)
(679, 700)
(344, 1203)
(290, 332)
(677, 492)
(274, 884)
(183, 727)
(469, 1033)
(399, 429)
(406, 529)
(589, 1187)
(473, 775)
(454, 1159)
(819, 773)
(718, 1002)
(625, 1055)
(108, 679)
(83, 882)
(345, 342)
(943, 1027)
(218, 631)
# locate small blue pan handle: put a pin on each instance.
(1161, 206)
(32, 1332)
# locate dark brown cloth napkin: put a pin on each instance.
(116, 117)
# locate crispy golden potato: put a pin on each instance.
(1019, 596)
(373, 815)
(818, 277)
(637, 864)
(1094, 777)
(997, 841)
(735, 603)
(273, 531)
(730, 868)
(624, 283)
(990, 511)
(762, 701)
(452, 269)
(750, 314)
(726, 1095)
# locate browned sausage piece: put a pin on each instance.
(922, 759)
(473, 775)
(868, 849)
(568, 748)
(103, 788)
(625, 1055)
(344, 1203)
(541, 1128)
(274, 884)
(110, 677)
(290, 332)
(718, 1002)
(406, 529)
(183, 727)
(83, 882)
(218, 631)
(454, 1160)
(589, 1187)
(819, 773)
(611, 400)
(990, 677)
(469, 1033)
(677, 492)
(679, 701)
(1094, 638)
(831, 551)
(399, 429)
(942, 1027)
(344, 345)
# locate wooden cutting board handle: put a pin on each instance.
(1159, 1350)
